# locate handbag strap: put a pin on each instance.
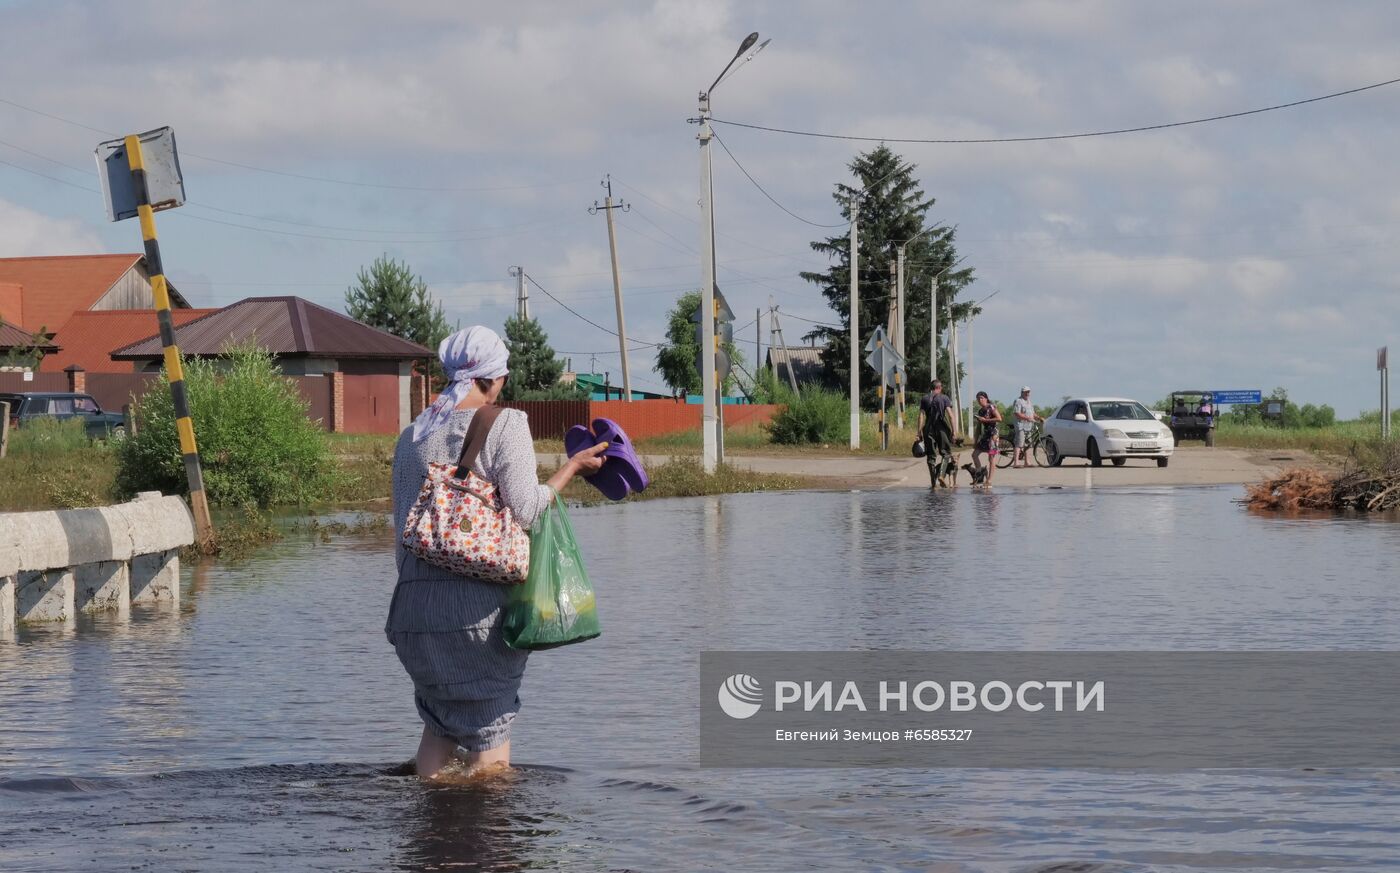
(475, 440)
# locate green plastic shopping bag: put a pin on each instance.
(555, 606)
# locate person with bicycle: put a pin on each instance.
(1026, 418)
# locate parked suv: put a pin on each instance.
(63, 406)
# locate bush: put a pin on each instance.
(817, 415)
(255, 440)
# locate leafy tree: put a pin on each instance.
(1291, 414)
(533, 366)
(893, 210)
(675, 356)
(391, 297)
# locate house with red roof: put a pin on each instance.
(39, 294)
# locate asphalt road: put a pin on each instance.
(1190, 465)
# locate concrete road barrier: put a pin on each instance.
(54, 564)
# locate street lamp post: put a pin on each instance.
(933, 314)
(855, 323)
(709, 378)
(900, 320)
(971, 388)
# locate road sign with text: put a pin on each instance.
(1229, 398)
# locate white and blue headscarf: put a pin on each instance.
(474, 353)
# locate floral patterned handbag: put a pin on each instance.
(459, 522)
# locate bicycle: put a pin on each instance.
(1035, 448)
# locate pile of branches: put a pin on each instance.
(1369, 485)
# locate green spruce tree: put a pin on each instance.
(391, 297)
(534, 369)
(892, 211)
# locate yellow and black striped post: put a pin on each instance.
(174, 371)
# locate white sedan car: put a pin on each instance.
(1106, 427)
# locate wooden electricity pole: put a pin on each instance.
(607, 209)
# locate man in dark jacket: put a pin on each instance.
(936, 427)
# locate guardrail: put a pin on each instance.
(57, 563)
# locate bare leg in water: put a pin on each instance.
(434, 753)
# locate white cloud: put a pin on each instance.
(1258, 278)
(27, 233)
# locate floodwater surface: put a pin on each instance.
(264, 726)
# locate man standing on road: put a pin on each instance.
(936, 427)
(1025, 416)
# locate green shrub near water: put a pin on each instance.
(256, 442)
(817, 415)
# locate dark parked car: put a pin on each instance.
(63, 405)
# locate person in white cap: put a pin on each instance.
(1025, 417)
(446, 628)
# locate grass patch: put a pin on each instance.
(364, 467)
(364, 524)
(237, 535)
(52, 464)
(685, 477)
(1341, 439)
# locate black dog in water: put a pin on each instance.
(978, 474)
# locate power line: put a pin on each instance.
(86, 171)
(575, 312)
(1058, 136)
(506, 230)
(813, 321)
(764, 191)
(304, 176)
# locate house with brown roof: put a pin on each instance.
(42, 293)
(13, 338)
(367, 373)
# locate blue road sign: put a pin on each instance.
(1232, 397)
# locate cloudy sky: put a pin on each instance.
(467, 137)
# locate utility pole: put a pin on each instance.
(709, 376)
(954, 377)
(787, 355)
(607, 209)
(855, 323)
(1383, 364)
(708, 383)
(757, 340)
(933, 314)
(522, 295)
(898, 334)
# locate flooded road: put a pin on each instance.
(263, 727)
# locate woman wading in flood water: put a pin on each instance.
(445, 627)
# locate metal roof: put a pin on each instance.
(285, 326)
(55, 286)
(12, 336)
(88, 337)
(805, 361)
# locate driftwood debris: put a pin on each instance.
(1364, 486)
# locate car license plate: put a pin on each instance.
(1138, 444)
